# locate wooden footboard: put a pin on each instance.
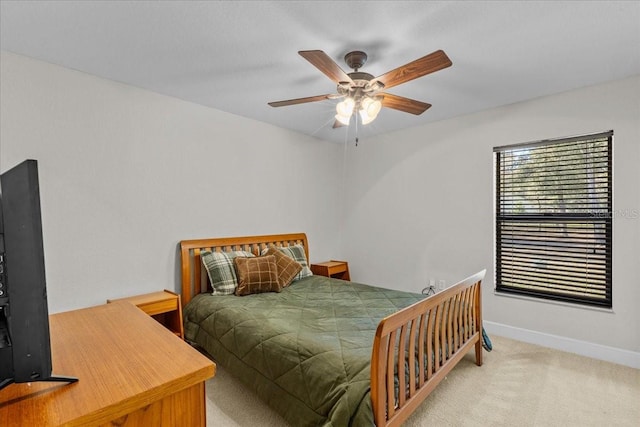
(416, 347)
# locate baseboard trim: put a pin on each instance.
(583, 348)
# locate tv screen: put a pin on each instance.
(25, 352)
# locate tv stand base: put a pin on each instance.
(53, 378)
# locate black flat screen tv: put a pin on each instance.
(25, 349)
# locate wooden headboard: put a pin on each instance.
(194, 277)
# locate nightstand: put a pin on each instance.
(333, 268)
(164, 306)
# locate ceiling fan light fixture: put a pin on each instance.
(343, 119)
(369, 110)
(372, 106)
(366, 119)
(345, 108)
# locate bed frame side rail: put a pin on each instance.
(415, 348)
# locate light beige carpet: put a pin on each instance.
(519, 385)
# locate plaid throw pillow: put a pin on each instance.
(222, 274)
(257, 275)
(297, 253)
(288, 268)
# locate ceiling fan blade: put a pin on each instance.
(404, 104)
(299, 100)
(324, 63)
(337, 124)
(420, 67)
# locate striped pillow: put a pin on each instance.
(297, 253)
(221, 271)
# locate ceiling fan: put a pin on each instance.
(362, 92)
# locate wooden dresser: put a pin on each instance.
(132, 372)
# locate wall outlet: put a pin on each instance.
(441, 284)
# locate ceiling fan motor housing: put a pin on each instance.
(355, 59)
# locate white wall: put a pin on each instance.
(125, 174)
(419, 204)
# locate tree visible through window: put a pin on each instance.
(554, 219)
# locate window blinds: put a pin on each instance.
(554, 219)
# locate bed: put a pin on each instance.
(325, 351)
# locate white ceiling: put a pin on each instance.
(237, 56)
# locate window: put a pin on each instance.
(554, 219)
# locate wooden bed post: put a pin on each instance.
(186, 275)
(479, 324)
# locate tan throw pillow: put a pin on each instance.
(288, 268)
(297, 253)
(256, 275)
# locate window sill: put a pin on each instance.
(546, 301)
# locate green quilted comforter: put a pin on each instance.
(306, 351)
